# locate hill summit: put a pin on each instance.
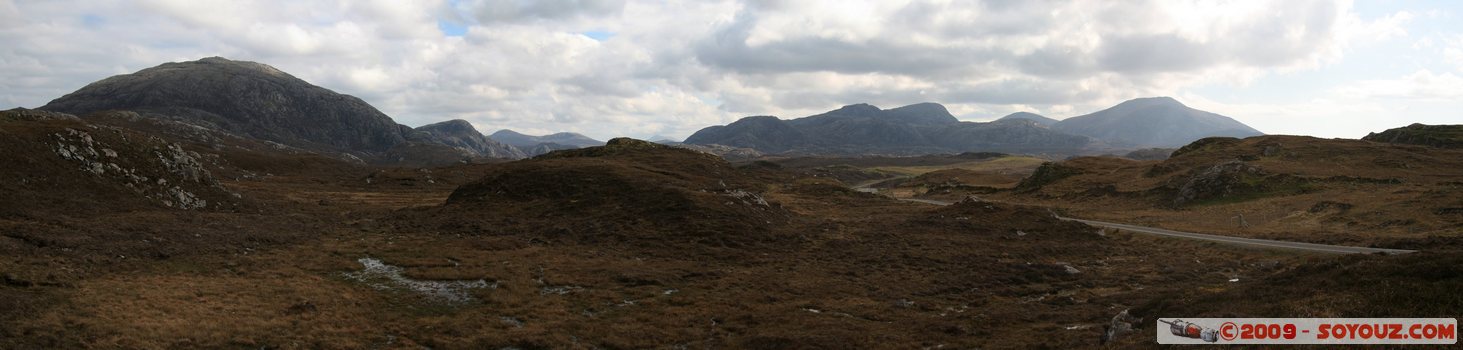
(245, 98)
(1153, 122)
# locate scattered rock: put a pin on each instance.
(1120, 325)
(1070, 270)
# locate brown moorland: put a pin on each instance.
(630, 245)
(1280, 187)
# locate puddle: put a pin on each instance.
(382, 276)
(558, 290)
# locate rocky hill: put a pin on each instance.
(923, 128)
(1445, 136)
(257, 101)
(246, 98)
(460, 134)
(1153, 122)
(1039, 119)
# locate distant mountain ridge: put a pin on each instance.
(564, 138)
(1153, 122)
(536, 145)
(927, 128)
(921, 128)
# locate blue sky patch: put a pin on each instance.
(599, 35)
(451, 29)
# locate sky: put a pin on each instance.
(667, 68)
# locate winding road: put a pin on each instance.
(1253, 242)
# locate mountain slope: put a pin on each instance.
(1153, 122)
(1039, 119)
(460, 134)
(864, 129)
(245, 98)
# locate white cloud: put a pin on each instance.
(675, 66)
(1454, 51)
(1422, 85)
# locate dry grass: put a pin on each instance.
(1002, 165)
(844, 270)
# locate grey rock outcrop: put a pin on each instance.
(1120, 325)
(22, 114)
(1216, 181)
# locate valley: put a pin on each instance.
(260, 222)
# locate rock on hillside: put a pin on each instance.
(460, 134)
(1153, 122)
(725, 152)
(56, 164)
(1444, 136)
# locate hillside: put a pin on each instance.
(1287, 187)
(1444, 136)
(1153, 122)
(923, 128)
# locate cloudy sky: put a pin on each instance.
(667, 67)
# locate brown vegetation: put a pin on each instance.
(631, 245)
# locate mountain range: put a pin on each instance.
(536, 145)
(929, 128)
(865, 129)
(257, 101)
